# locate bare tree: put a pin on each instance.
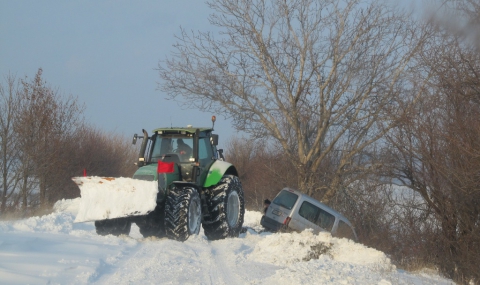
(437, 150)
(460, 17)
(8, 151)
(317, 77)
(102, 153)
(44, 142)
(43, 123)
(262, 169)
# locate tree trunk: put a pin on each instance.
(25, 193)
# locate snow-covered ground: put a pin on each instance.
(53, 250)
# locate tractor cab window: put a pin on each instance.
(172, 148)
(205, 149)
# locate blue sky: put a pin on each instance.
(105, 53)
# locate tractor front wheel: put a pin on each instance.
(116, 227)
(153, 225)
(226, 207)
(183, 213)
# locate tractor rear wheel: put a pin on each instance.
(226, 206)
(116, 227)
(183, 213)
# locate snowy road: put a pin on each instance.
(197, 261)
(53, 250)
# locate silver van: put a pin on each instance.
(291, 209)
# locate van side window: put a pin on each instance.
(286, 199)
(317, 216)
(309, 212)
(326, 220)
(344, 231)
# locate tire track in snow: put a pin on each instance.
(195, 261)
(231, 254)
(217, 269)
(156, 261)
(164, 261)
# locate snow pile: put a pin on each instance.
(107, 197)
(252, 220)
(305, 246)
(53, 223)
(67, 206)
(60, 221)
(346, 250)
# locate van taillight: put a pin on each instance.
(287, 220)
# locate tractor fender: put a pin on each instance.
(217, 170)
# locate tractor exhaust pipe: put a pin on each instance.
(141, 156)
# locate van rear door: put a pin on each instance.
(281, 207)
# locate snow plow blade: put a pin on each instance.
(109, 198)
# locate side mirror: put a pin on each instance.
(135, 137)
(220, 153)
(214, 139)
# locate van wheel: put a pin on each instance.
(116, 227)
(226, 207)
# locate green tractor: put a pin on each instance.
(194, 186)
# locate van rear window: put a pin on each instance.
(285, 199)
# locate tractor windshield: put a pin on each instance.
(173, 148)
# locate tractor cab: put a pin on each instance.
(192, 150)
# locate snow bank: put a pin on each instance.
(60, 221)
(288, 248)
(53, 223)
(67, 206)
(252, 220)
(52, 249)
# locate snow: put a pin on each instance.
(108, 197)
(52, 249)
